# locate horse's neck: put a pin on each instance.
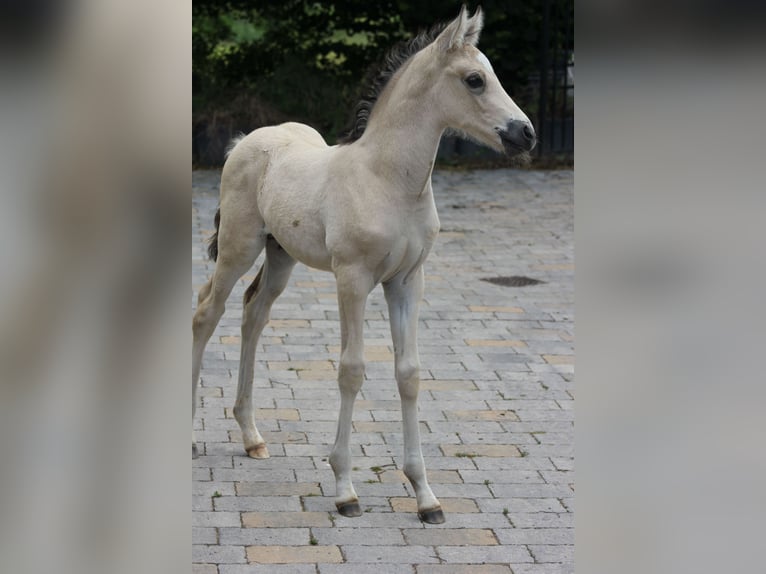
(402, 139)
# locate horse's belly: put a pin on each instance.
(291, 213)
(304, 240)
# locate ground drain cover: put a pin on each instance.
(513, 281)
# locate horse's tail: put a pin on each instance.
(212, 245)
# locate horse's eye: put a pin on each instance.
(474, 81)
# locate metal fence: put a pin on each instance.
(547, 98)
(554, 119)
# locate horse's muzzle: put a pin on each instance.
(517, 137)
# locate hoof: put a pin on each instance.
(433, 516)
(195, 452)
(258, 451)
(349, 509)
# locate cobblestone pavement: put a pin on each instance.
(496, 404)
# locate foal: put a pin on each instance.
(363, 210)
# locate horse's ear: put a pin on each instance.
(474, 26)
(462, 30)
(452, 36)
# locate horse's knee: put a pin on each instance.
(408, 378)
(351, 374)
(204, 292)
(204, 317)
(200, 318)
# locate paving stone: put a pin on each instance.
(463, 569)
(293, 554)
(264, 536)
(481, 415)
(496, 383)
(495, 343)
(285, 519)
(204, 535)
(450, 537)
(268, 569)
(484, 554)
(558, 553)
(276, 489)
(535, 536)
(494, 450)
(452, 505)
(390, 554)
(361, 568)
(215, 519)
(214, 554)
(479, 520)
(358, 536)
(258, 503)
(521, 505)
(544, 568)
(541, 520)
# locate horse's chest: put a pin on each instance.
(407, 252)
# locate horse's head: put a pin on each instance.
(469, 93)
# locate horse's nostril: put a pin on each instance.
(528, 133)
(519, 135)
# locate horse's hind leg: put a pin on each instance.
(268, 285)
(237, 255)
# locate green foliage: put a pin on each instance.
(257, 62)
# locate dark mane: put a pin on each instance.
(378, 76)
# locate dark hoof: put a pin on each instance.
(435, 516)
(195, 452)
(350, 509)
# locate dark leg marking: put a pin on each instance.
(253, 289)
(350, 509)
(434, 516)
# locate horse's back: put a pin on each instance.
(273, 138)
(250, 156)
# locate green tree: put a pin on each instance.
(257, 62)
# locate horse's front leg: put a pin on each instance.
(354, 285)
(403, 309)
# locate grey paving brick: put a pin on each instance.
(358, 536)
(525, 505)
(536, 536)
(263, 536)
(215, 519)
(541, 520)
(204, 535)
(201, 503)
(268, 569)
(510, 223)
(378, 520)
(530, 490)
(496, 477)
(390, 554)
(544, 568)
(463, 569)
(473, 520)
(358, 568)
(214, 554)
(559, 553)
(484, 554)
